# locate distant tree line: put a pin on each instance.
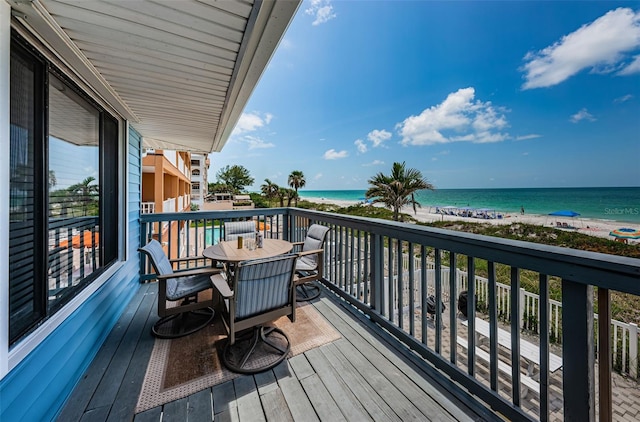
(394, 191)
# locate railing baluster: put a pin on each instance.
(412, 299)
(453, 332)
(544, 347)
(515, 334)
(400, 285)
(423, 294)
(493, 327)
(471, 313)
(438, 289)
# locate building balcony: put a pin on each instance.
(407, 350)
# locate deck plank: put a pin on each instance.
(275, 406)
(151, 415)
(301, 366)
(323, 403)
(299, 404)
(347, 402)
(224, 398)
(199, 408)
(175, 410)
(266, 382)
(79, 399)
(112, 380)
(249, 406)
(367, 395)
(420, 401)
(127, 396)
(448, 407)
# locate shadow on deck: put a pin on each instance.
(361, 376)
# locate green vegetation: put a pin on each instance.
(234, 178)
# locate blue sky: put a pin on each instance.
(473, 94)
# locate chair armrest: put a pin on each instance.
(311, 252)
(187, 273)
(221, 285)
(189, 258)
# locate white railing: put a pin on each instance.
(181, 165)
(180, 203)
(169, 205)
(147, 208)
(625, 336)
(170, 156)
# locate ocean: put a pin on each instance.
(621, 204)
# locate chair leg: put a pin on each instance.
(307, 291)
(256, 351)
(180, 325)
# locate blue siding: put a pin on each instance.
(37, 388)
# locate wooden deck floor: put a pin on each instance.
(359, 377)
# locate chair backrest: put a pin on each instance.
(262, 285)
(316, 234)
(234, 229)
(159, 260)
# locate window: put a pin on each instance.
(63, 187)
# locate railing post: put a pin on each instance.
(633, 350)
(377, 273)
(521, 305)
(578, 351)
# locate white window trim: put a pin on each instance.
(5, 43)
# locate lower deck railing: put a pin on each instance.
(368, 265)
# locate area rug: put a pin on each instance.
(180, 367)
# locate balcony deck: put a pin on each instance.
(361, 376)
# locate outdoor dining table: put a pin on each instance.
(228, 251)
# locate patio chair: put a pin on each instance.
(260, 292)
(309, 267)
(235, 229)
(181, 310)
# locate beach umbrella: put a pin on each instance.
(565, 213)
(625, 233)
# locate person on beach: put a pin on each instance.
(522, 209)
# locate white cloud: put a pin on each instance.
(458, 118)
(317, 176)
(525, 153)
(322, 10)
(633, 67)
(332, 154)
(256, 143)
(249, 122)
(602, 46)
(623, 99)
(582, 115)
(525, 137)
(377, 137)
(374, 163)
(362, 147)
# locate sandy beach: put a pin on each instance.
(593, 227)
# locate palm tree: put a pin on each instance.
(269, 190)
(282, 194)
(291, 195)
(398, 189)
(296, 181)
(84, 192)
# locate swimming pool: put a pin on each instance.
(212, 233)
